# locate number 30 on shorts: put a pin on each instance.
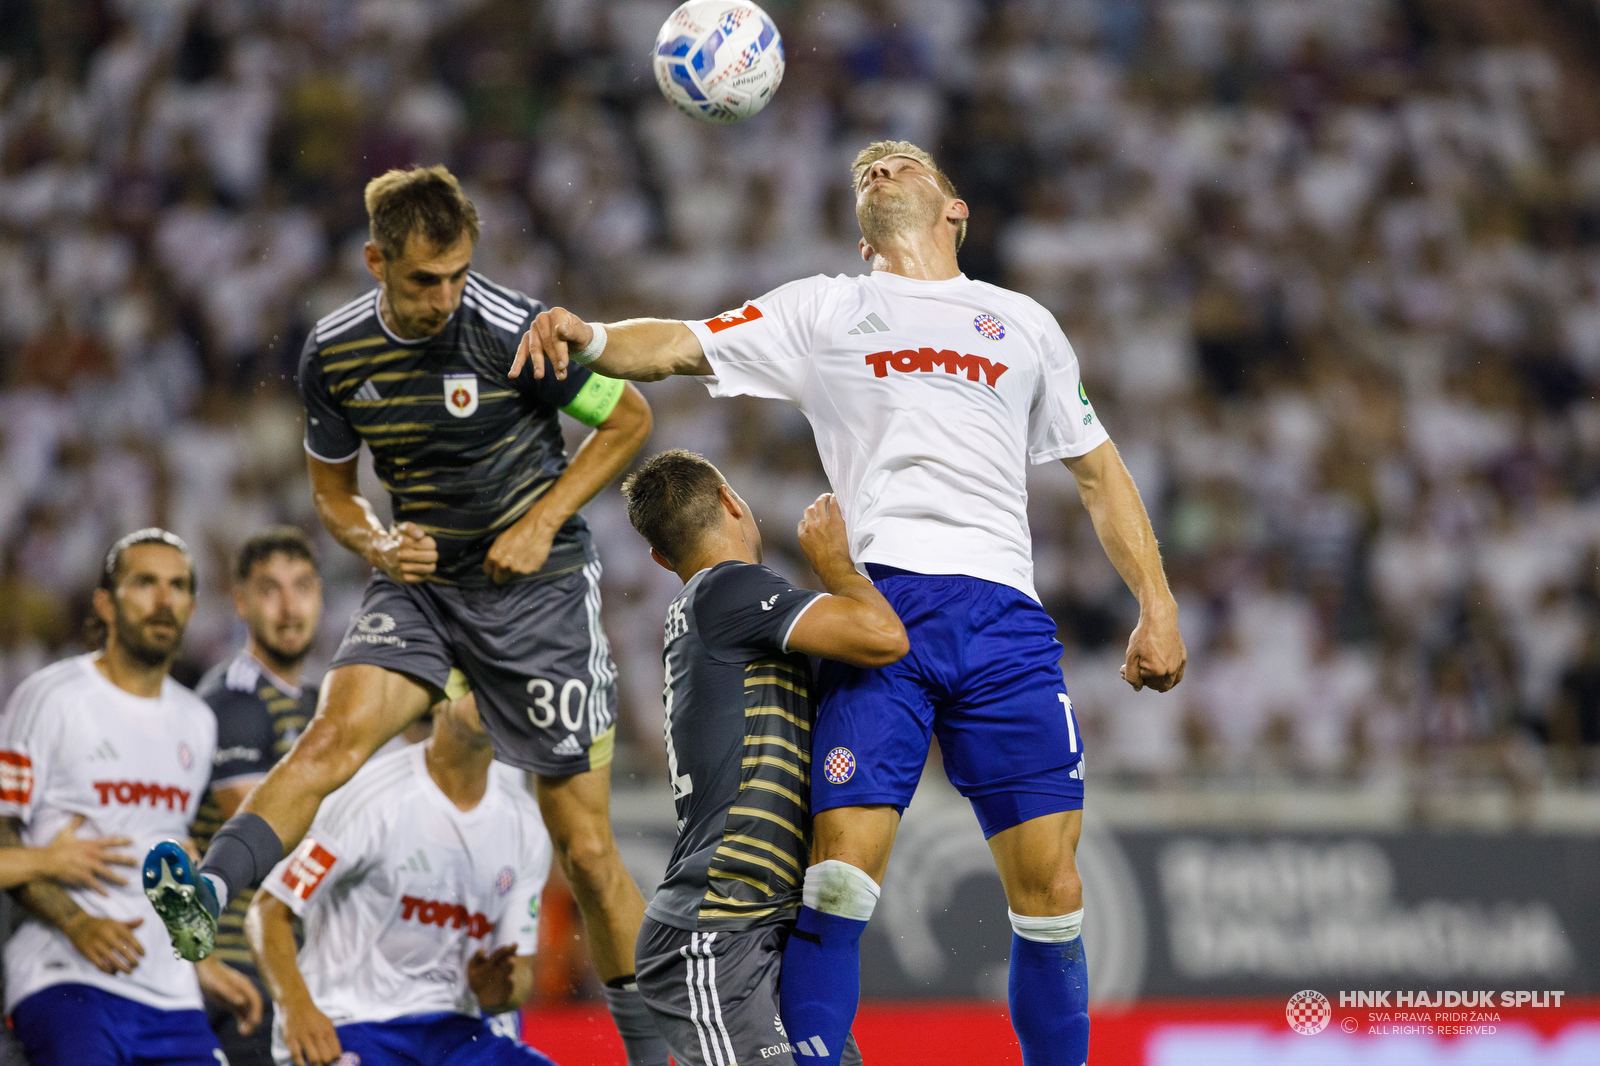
(574, 699)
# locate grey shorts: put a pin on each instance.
(714, 996)
(533, 652)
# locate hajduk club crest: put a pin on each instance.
(461, 394)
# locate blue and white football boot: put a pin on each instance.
(184, 900)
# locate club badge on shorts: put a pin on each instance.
(839, 766)
(461, 394)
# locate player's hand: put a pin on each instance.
(84, 863)
(551, 335)
(232, 989)
(106, 942)
(309, 1034)
(521, 549)
(824, 539)
(405, 553)
(490, 976)
(1156, 655)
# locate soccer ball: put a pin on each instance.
(719, 60)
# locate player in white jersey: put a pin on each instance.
(929, 394)
(418, 888)
(110, 742)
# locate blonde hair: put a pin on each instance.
(884, 149)
(423, 200)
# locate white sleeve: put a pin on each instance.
(29, 738)
(519, 924)
(321, 860)
(764, 348)
(1062, 423)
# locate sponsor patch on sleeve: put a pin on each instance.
(16, 777)
(729, 319)
(307, 867)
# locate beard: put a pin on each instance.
(883, 217)
(283, 656)
(135, 640)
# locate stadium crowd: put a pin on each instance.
(1332, 272)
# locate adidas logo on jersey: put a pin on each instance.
(368, 391)
(417, 863)
(568, 746)
(924, 360)
(870, 324)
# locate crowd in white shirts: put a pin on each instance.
(1332, 272)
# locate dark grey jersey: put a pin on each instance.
(739, 715)
(463, 448)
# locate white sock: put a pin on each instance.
(837, 888)
(1057, 929)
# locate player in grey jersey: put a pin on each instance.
(738, 731)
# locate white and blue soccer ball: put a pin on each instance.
(719, 60)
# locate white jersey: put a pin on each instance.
(72, 743)
(928, 399)
(397, 888)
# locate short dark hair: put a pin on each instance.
(672, 499)
(274, 540)
(149, 535)
(427, 201)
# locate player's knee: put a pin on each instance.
(1047, 891)
(326, 755)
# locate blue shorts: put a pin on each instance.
(984, 674)
(443, 1039)
(80, 1025)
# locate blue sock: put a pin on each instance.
(1049, 1001)
(820, 986)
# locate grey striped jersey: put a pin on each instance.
(738, 730)
(463, 448)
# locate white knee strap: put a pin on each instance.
(837, 888)
(1057, 929)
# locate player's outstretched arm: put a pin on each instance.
(1156, 655)
(106, 942)
(853, 623)
(640, 349)
(310, 1036)
(405, 552)
(605, 453)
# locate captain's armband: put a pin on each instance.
(596, 400)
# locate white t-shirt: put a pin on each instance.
(397, 889)
(72, 743)
(927, 398)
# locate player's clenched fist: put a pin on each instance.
(823, 537)
(1156, 655)
(551, 336)
(405, 553)
(106, 942)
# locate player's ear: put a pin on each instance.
(731, 501)
(374, 258)
(956, 211)
(866, 251)
(661, 561)
(103, 607)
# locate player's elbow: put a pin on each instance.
(882, 641)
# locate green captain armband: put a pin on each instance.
(596, 400)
